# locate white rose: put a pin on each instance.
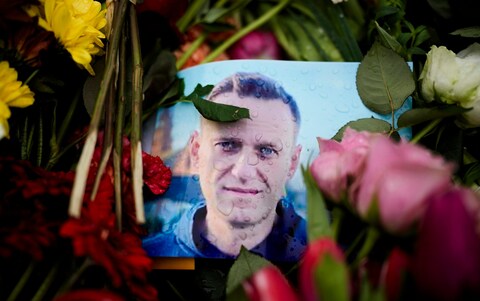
(454, 79)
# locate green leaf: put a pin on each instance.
(365, 124)
(387, 40)
(472, 173)
(237, 294)
(160, 72)
(217, 13)
(244, 266)
(318, 220)
(386, 11)
(200, 90)
(468, 32)
(419, 115)
(441, 7)
(218, 111)
(384, 80)
(331, 280)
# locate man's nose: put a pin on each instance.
(245, 166)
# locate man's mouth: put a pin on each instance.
(247, 191)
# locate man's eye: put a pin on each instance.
(267, 152)
(227, 146)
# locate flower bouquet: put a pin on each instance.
(388, 219)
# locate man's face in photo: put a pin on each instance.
(243, 166)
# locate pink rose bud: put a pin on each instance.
(256, 45)
(338, 162)
(446, 263)
(312, 259)
(269, 284)
(393, 274)
(398, 181)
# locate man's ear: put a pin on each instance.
(194, 146)
(295, 161)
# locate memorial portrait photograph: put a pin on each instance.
(239, 183)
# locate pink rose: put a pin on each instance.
(256, 45)
(398, 180)
(340, 162)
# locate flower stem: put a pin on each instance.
(245, 30)
(118, 141)
(83, 165)
(57, 141)
(137, 94)
(74, 277)
(369, 242)
(189, 14)
(21, 282)
(425, 130)
(337, 217)
(42, 290)
(194, 46)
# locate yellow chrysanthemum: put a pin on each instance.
(77, 25)
(13, 93)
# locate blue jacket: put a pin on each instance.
(286, 241)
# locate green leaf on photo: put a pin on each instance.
(331, 280)
(365, 124)
(419, 115)
(200, 91)
(218, 111)
(244, 266)
(384, 80)
(318, 219)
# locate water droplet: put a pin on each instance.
(258, 95)
(270, 162)
(253, 113)
(341, 108)
(312, 87)
(220, 165)
(195, 178)
(225, 207)
(323, 95)
(304, 71)
(347, 87)
(234, 132)
(252, 160)
(335, 71)
(246, 219)
(258, 137)
(260, 82)
(243, 235)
